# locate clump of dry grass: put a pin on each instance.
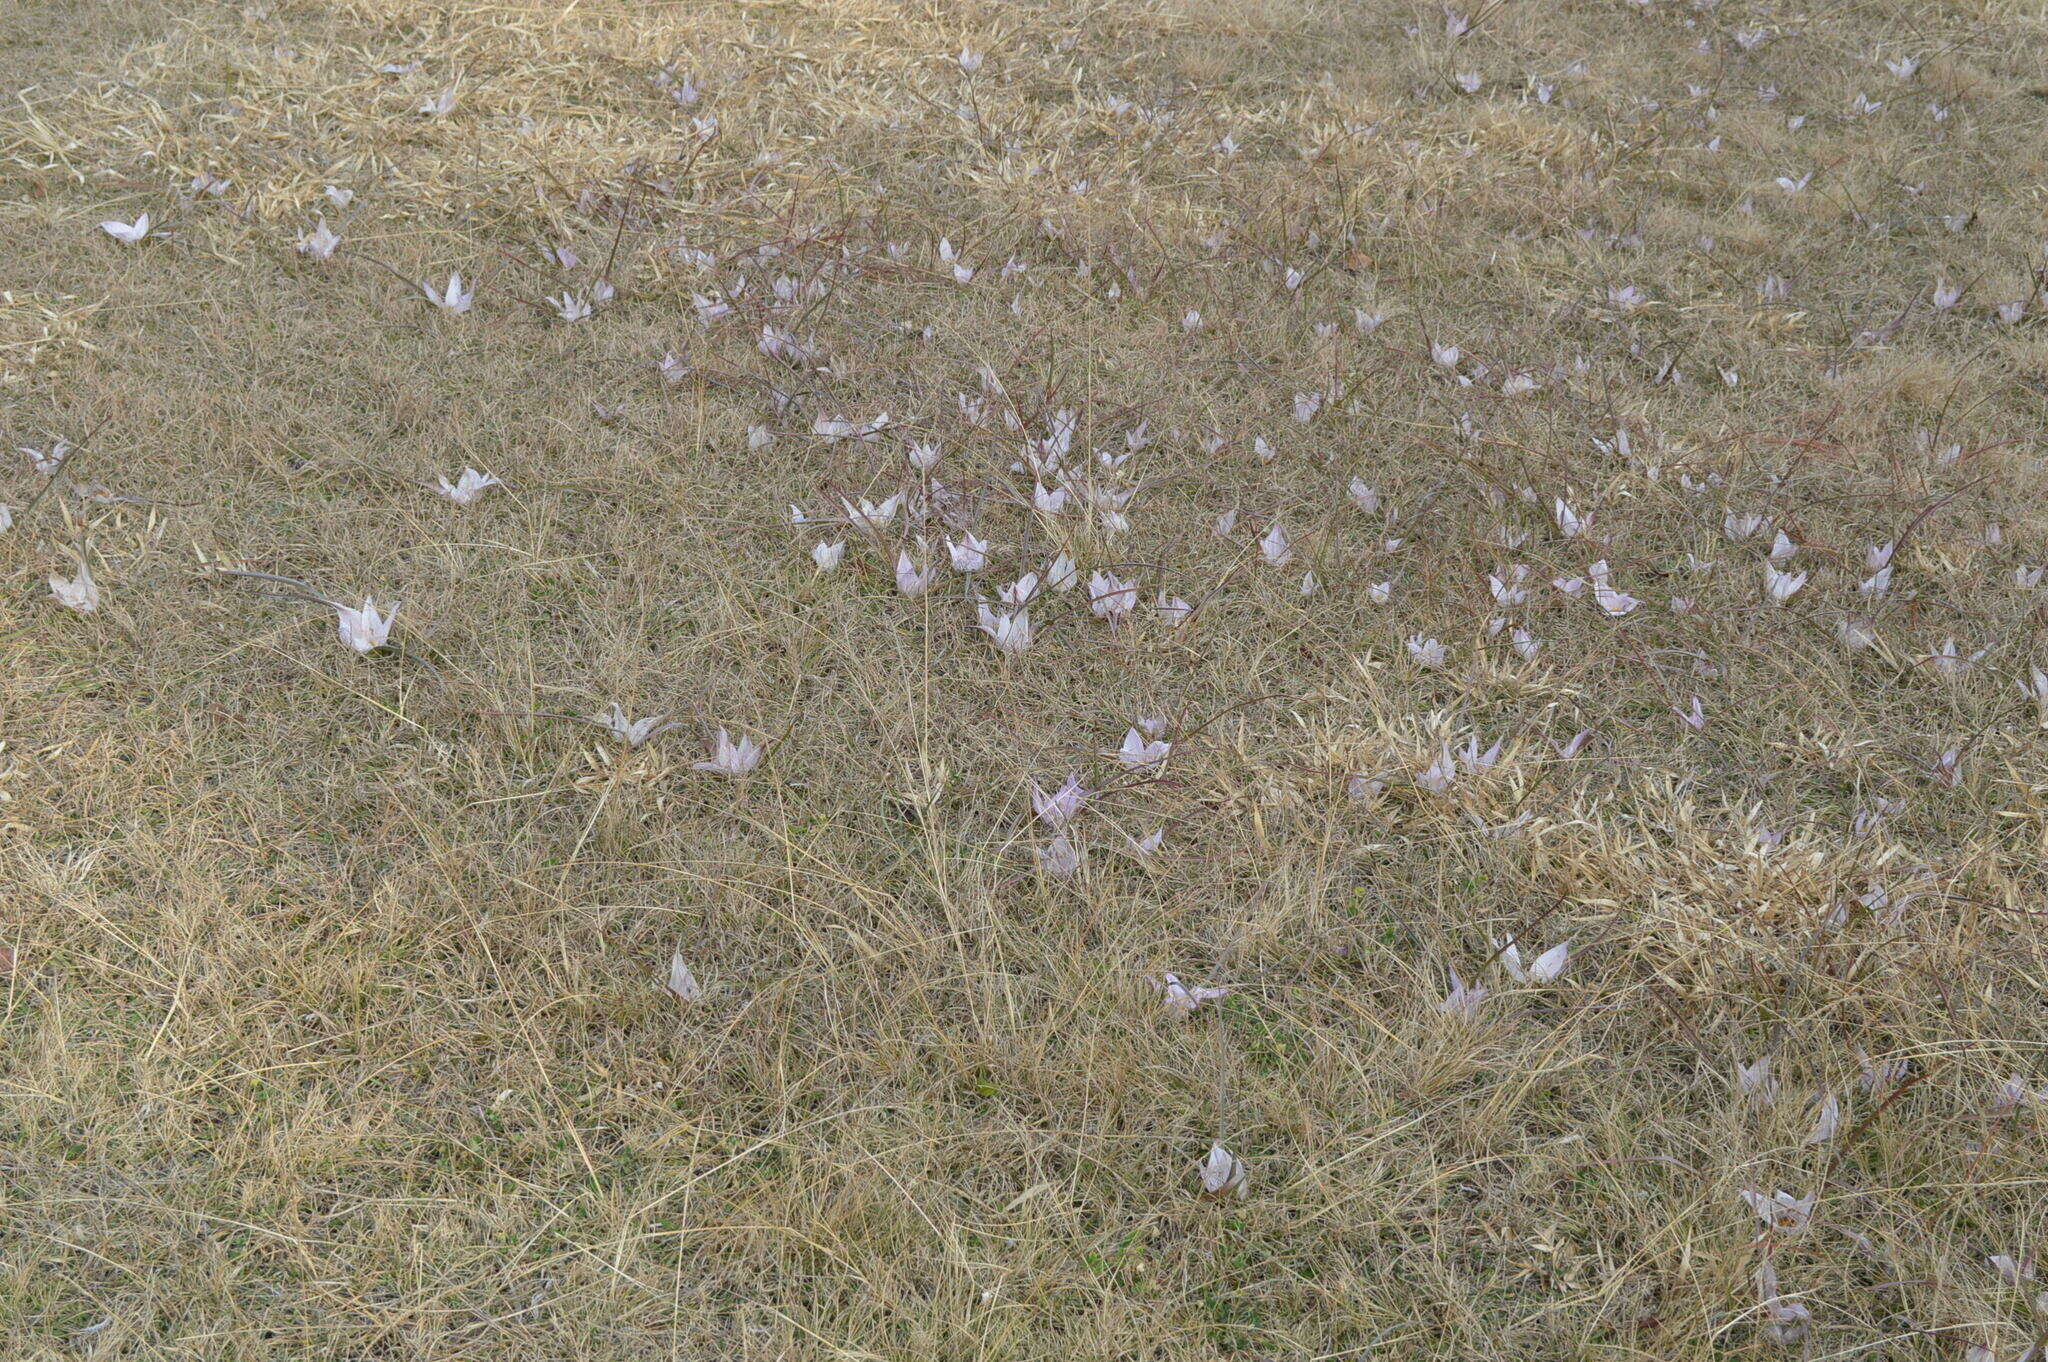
(339, 1006)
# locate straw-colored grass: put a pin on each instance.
(332, 1017)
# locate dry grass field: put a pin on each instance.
(1563, 473)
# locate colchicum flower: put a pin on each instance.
(1057, 809)
(1781, 1211)
(79, 593)
(912, 580)
(971, 555)
(1110, 597)
(681, 984)
(1008, 630)
(1136, 751)
(452, 299)
(128, 233)
(468, 487)
(1462, 1003)
(1544, 969)
(319, 244)
(364, 630)
(631, 732)
(730, 759)
(1223, 1173)
(1181, 1000)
